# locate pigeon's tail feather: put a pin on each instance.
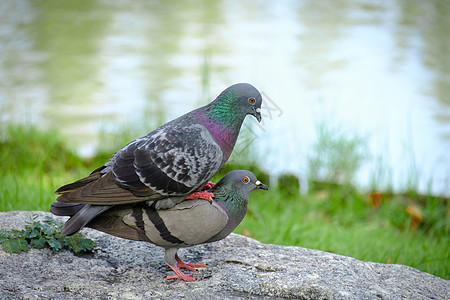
(82, 217)
(65, 209)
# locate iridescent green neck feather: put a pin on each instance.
(223, 117)
(233, 199)
(225, 110)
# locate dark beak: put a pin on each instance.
(260, 185)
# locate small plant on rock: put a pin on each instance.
(43, 234)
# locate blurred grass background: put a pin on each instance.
(333, 215)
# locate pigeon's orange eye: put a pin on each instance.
(251, 100)
(245, 180)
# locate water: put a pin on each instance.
(375, 69)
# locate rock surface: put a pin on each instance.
(238, 268)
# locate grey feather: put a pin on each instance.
(65, 209)
(82, 217)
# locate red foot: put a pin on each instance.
(185, 265)
(180, 275)
(208, 185)
(200, 195)
(188, 265)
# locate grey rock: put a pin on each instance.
(238, 268)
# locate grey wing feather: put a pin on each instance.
(82, 217)
(169, 161)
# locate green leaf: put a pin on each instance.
(86, 244)
(73, 243)
(15, 245)
(77, 243)
(54, 244)
(23, 244)
(32, 233)
(4, 235)
(75, 247)
(38, 243)
(48, 229)
(52, 222)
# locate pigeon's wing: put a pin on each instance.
(170, 161)
(103, 191)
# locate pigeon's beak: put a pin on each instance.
(257, 113)
(260, 185)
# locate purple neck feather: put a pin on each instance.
(225, 136)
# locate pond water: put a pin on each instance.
(379, 70)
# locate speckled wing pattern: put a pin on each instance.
(170, 161)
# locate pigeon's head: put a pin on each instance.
(241, 182)
(245, 97)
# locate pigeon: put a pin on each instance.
(170, 163)
(188, 223)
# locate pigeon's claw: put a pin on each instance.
(200, 195)
(181, 275)
(187, 265)
(208, 185)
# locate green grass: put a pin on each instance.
(332, 217)
(33, 163)
(349, 226)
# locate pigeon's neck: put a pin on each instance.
(225, 136)
(234, 203)
(225, 109)
(224, 120)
